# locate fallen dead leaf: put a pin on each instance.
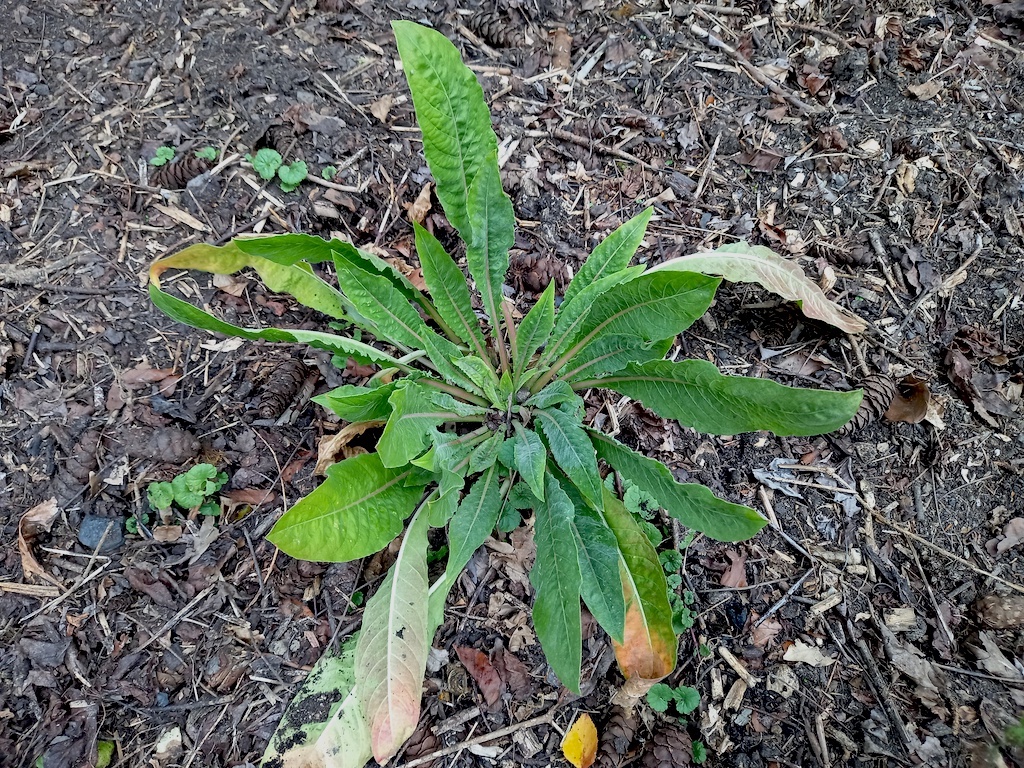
(927, 90)
(167, 534)
(479, 666)
(561, 49)
(765, 633)
(382, 107)
(204, 537)
(333, 448)
(1012, 535)
(910, 405)
(580, 743)
(735, 576)
(930, 682)
(37, 520)
(992, 659)
(420, 207)
(807, 654)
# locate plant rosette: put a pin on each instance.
(483, 419)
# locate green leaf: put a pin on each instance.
(572, 450)
(700, 752)
(414, 411)
(162, 156)
(184, 496)
(481, 374)
(745, 263)
(649, 646)
(451, 112)
(485, 454)
(555, 393)
(448, 459)
(200, 478)
(391, 653)
(612, 255)
(353, 403)
(328, 172)
(534, 331)
(556, 581)
(660, 696)
(449, 290)
(104, 753)
(207, 153)
(692, 504)
(651, 307)
(599, 565)
(671, 561)
(469, 528)
(323, 716)
(608, 354)
(355, 512)
(160, 495)
(695, 393)
(530, 457)
(292, 175)
(490, 212)
(266, 162)
(687, 699)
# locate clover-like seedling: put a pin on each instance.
(292, 175)
(661, 696)
(162, 156)
(483, 421)
(189, 490)
(265, 162)
(206, 153)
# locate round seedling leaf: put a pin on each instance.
(266, 162)
(292, 175)
(163, 156)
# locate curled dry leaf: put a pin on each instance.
(580, 743)
(420, 207)
(37, 520)
(735, 576)
(992, 659)
(1001, 612)
(1012, 535)
(808, 654)
(911, 402)
(480, 667)
(334, 448)
(766, 633)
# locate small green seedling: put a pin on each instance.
(292, 175)
(484, 419)
(661, 696)
(191, 490)
(163, 156)
(699, 753)
(207, 153)
(327, 173)
(265, 162)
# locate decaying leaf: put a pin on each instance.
(1001, 612)
(808, 654)
(334, 448)
(927, 90)
(37, 520)
(420, 207)
(930, 681)
(910, 404)
(580, 743)
(765, 633)
(483, 672)
(743, 263)
(992, 659)
(1012, 535)
(735, 576)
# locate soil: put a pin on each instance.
(881, 147)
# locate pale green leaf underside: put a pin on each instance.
(353, 403)
(692, 504)
(744, 263)
(695, 393)
(414, 413)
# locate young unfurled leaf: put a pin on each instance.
(556, 580)
(648, 650)
(356, 511)
(160, 495)
(573, 451)
(449, 291)
(612, 255)
(414, 411)
(695, 393)
(292, 175)
(599, 566)
(481, 374)
(534, 331)
(163, 156)
(266, 162)
(451, 112)
(311, 735)
(391, 653)
(355, 404)
(579, 746)
(530, 458)
(694, 505)
(206, 153)
(485, 454)
(744, 263)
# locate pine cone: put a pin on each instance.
(616, 737)
(749, 7)
(879, 391)
(282, 385)
(493, 28)
(179, 173)
(533, 273)
(422, 742)
(669, 747)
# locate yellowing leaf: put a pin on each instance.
(580, 743)
(743, 263)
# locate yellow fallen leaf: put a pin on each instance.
(580, 743)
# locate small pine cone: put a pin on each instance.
(493, 28)
(669, 747)
(179, 173)
(879, 391)
(616, 737)
(1001, 612)
(533, 273)
(749, 7)
(422, 742)
(282, 386)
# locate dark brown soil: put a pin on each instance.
(893, 174)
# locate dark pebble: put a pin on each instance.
(92, 528)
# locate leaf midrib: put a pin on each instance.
(338, 510)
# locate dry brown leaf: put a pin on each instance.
(929, 680)
(413, 274)
(1013, 534)
(479, 666)
(420, 207)
(37, 520)
(992, 659)
(926, 90)
(766, 633)
(911, 402)
(332, 448)
(382, 107)
(808, 654)
(167, 534)
(561, 49)
(735, 576)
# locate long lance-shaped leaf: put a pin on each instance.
(470, 526)
(310, 734)
(490, 211)
(534, 331)
(648, 650)
(611, 255)
(183, 312)
(414, 414)
(692, 504)
(355, 512)
(353, 403)
(448, 289)
(391, 653)
(556, 580)
(530, 457)
(572, 450)
(608, 354)
(744, 263)
(451, 112)
(307, 288)
(695, 393)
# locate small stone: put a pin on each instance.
(91, 531)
